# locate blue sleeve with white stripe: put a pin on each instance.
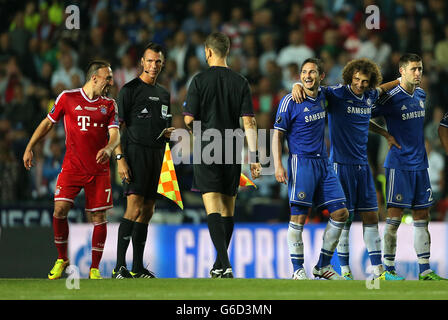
(282, 119)
(383, 103)
(444, 121)
(330, 90)
(378, 109)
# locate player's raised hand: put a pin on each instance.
(298, 93)
(281, 175)
(103, 155)
(28, 159)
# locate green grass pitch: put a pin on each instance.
(220, 289)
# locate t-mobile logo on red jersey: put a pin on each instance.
(83, 122)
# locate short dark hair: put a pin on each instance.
(219, 43)
(365, 66)
(316, 61)
(94, 66)
(153, 46)
(408, 57)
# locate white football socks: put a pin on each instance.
(295, 244)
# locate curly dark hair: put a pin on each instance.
(365, 66)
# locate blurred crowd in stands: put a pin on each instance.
(40, 57)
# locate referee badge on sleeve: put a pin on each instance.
(164, 111)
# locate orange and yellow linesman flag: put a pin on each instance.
(246, 182)
(168, 185)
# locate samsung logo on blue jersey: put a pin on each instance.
(358, 110)
(314, 117)
(413, 115)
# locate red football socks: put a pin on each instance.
(98, 241)
(60, 229)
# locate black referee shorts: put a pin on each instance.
(145, 164)
(222, 178)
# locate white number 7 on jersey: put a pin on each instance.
(108, 191)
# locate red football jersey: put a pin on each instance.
(86, 124)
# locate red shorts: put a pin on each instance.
(97, 189)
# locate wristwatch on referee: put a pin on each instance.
(119, 156)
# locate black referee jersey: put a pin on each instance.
(144, 109)
(218, 97)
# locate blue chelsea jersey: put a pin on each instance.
(404, 114)
(348, 123)
(304, 125)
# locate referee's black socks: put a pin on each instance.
(218, 236)
(139, 235)
(228, 223)
(124, 237)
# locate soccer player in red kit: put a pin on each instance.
(91, 130)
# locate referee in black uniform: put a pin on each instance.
(144, 112)
(218, 97)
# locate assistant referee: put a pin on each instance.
(144, 112)
(218, 97)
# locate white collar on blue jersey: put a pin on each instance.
(357, 97)
(404, 90)
(314, 99)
